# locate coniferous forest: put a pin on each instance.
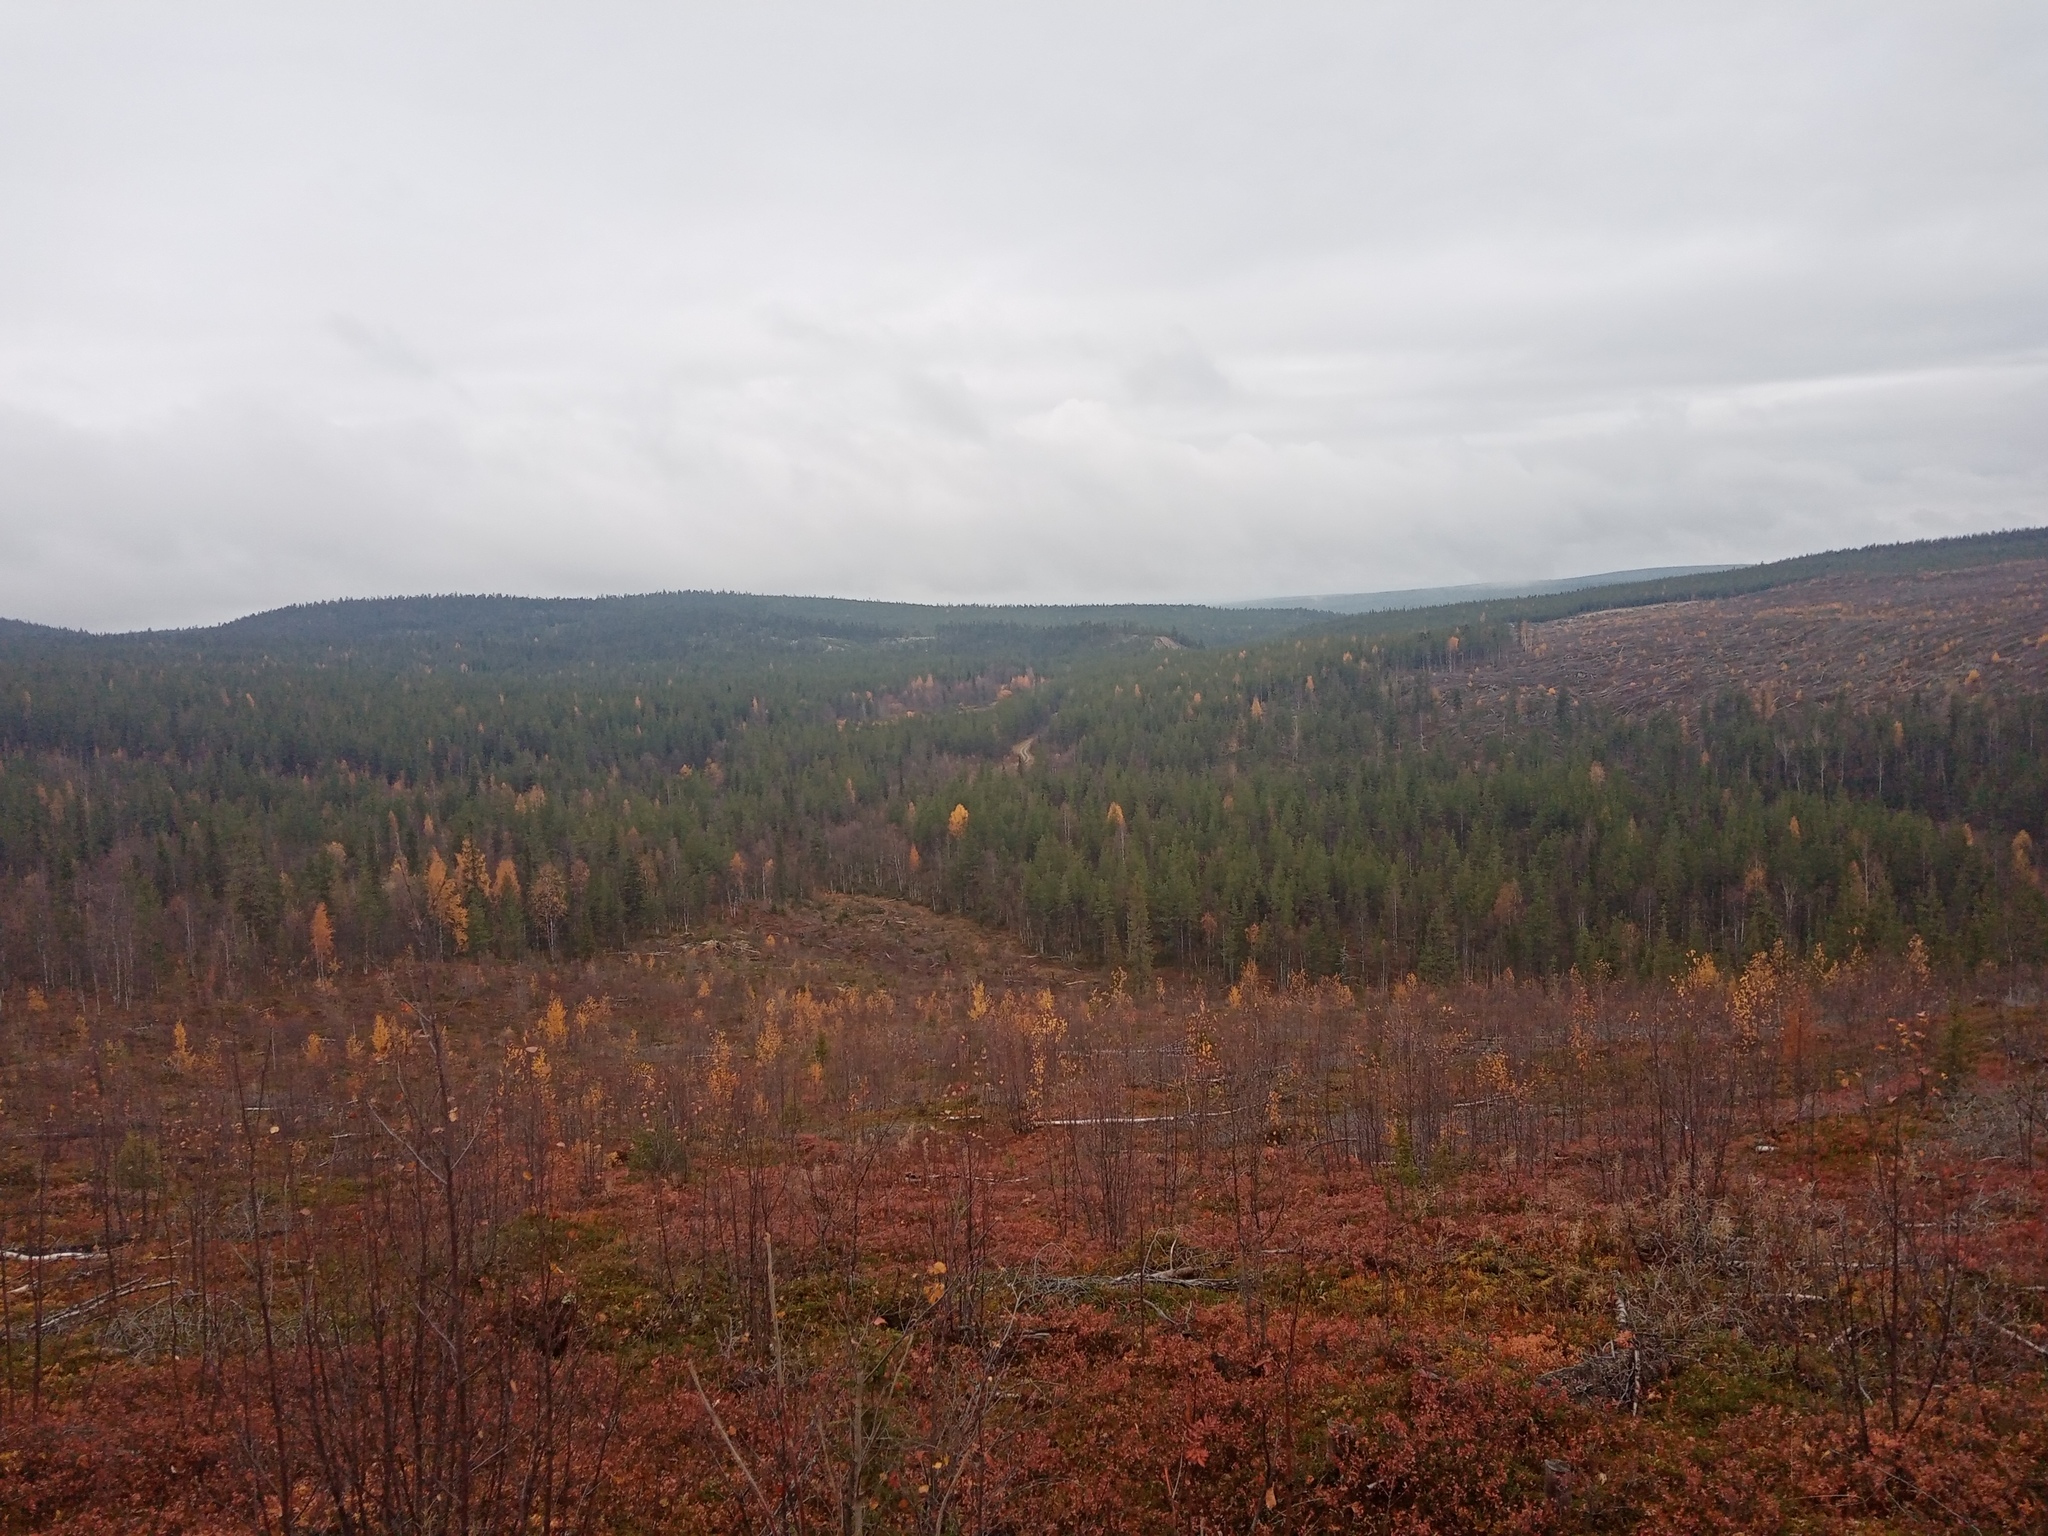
(710, 1062)
(1349, 802)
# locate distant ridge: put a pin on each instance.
(1476, 591)
(1917, 557)
(525, 633)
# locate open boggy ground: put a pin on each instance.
(850, 1216)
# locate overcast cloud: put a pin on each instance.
(1043, 303)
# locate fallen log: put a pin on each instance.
(1187, 1276)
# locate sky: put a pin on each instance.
(1058, 302)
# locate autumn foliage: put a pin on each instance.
(845, 1217)
(1434, 1073)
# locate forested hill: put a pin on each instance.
(1849, 755)
(1918, 558)
(526, 633)
(522, 634)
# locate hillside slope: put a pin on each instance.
(1860, 638)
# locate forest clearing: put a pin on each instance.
(777, 1228)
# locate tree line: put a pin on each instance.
(1349, 804)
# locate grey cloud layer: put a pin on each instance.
(912, 302)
